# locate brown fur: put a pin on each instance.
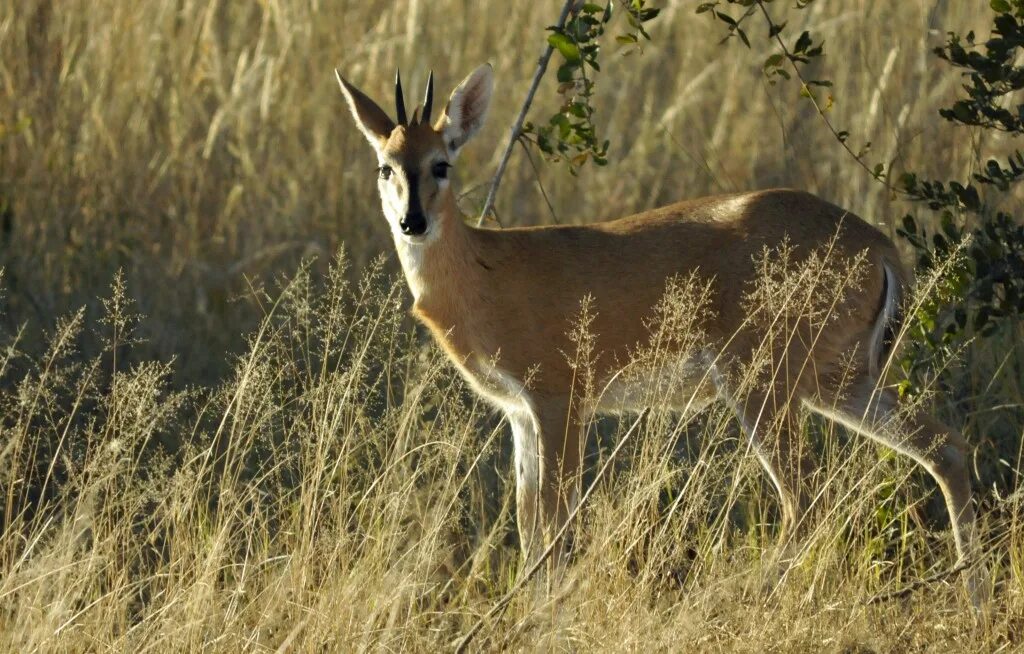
(495, 302)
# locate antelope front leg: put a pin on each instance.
(525, 440)
(561, 449)
(547, 462)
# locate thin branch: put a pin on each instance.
(503, 603)
(540, 184)
(517, 127)
(907, 590)
(821, 112)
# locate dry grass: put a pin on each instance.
(198, 462)
(340, 490)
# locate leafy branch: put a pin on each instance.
(517, 126)
(992, 73)
(803, 51)
(990, 286)
(570, 135)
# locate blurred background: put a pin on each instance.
(202, 146)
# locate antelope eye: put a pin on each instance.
(385, 172)
(440, 169)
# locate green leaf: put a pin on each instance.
(743, 36)
(948, 225)
(1001, 6)
(726, 18)
(565, 47)
(565, 73)
(803, 42)
(962, 111)
(774, 61)
(909, 225)
(775, 29)
(649, 13)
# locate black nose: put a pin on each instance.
(413, 224)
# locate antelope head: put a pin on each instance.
(415, 157)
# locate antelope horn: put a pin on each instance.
(428, 99)
(400, 100)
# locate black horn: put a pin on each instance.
(400, 100)
(428, 99)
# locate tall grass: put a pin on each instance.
(341, 490)
(218, 452)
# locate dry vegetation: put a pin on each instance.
(226, 449)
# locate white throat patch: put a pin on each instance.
(412, 252)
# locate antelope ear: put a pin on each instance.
(370, 118)
(466, 109)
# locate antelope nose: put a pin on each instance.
(413, 224)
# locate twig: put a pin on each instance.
(536, 175)
(517, 127)
(503, 603)
(817, 107)
(921, 583)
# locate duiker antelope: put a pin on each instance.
(501, 302)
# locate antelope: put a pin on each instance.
(500, 303)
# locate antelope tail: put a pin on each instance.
(889, 320)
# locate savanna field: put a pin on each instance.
(220, 429)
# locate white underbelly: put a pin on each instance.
(683, 385)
